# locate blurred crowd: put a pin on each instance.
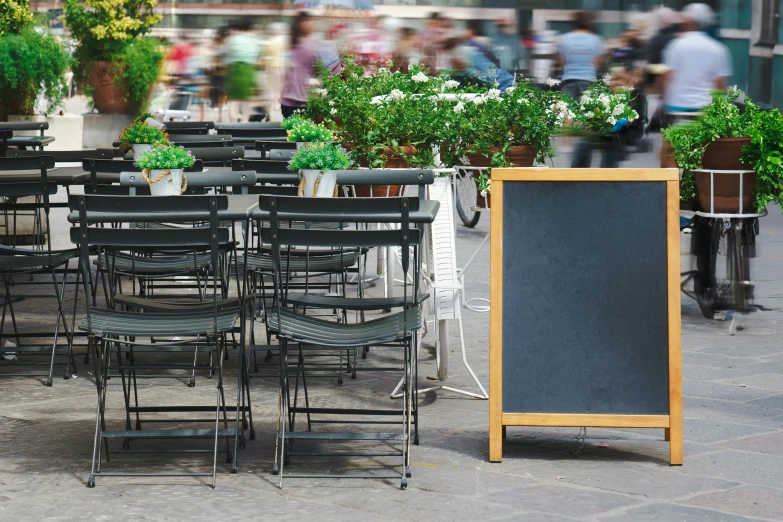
(246, 73)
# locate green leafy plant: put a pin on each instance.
(31, 60)
(320, 156)
(138, 67)
(164, 156)
(141, 132)
(723, 119)
(601, 110)
(143, 117)
(382, 115)
(308, 131)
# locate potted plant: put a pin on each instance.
(141, 136)
(162, 168)
(516, 125)
(119, 64)
(726, 138)
(316, 162)
(386, 119)
(33, 61)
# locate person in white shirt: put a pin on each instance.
(697, 63)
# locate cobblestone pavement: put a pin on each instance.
(733, 469)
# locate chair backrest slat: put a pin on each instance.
(62, 156)
(27, 163)
(143, 205)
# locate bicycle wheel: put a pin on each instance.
(467, 198)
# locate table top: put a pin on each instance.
(240, 208)
(29, 141)
(63, 176)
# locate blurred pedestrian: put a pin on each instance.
(274, 62)
(373, 46)
(405, 54)
(579, 55)
(302, 69)
(431, 41)
(666, 20)
(483, 62)
(507, 46)
(243, 53)
(696, 65)
(218, 71)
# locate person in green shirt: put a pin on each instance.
(242, 55)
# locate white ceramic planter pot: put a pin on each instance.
(169, 185)
(139, 149)
(325, 189)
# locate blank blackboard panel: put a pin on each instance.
(585, 326)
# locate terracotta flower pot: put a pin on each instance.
(519, 155)
(108, 97)
(724, 154)
(392, 162)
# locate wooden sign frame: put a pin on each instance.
(498, 420)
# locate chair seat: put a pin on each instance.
(301, 262)
(158, 265)
(350, 303)
(114, 322)
(25, 261)
(307, 329)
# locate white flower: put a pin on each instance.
(333, 111)
(478, 100)
(618, 110)
(608, 79)
(460, 107)
(331, 103)
(589, 114)
(611, 120)
(552, 82)
(314, 82)
(450, 84)
(447, 124)
(323, 92)
(494, 94)
(420, 77)
(376, 101)
(633, 116)
(511, 89)
(383, 70)
(522, 100)
(604, 100)
(397, 94)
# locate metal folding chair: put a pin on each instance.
(18, 268)
(292, 327)
(157, 326)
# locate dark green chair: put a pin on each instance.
(157, 325)
(294, 329)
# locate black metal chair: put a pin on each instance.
(263, 166)
(68, 156)
(219, 156)
(246, 134)
(193, 141)
(291, 327)
(22, 142)
(266, 148)
(18, 267)
(189, 127)
(166, 325)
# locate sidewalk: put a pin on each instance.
(733, 430)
